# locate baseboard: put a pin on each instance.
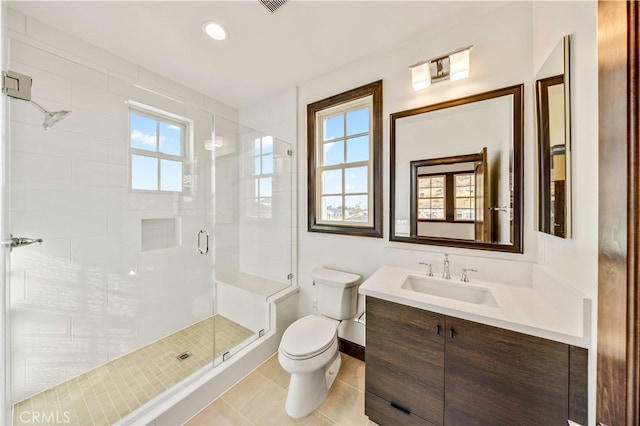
(351, 349)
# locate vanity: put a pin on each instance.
(444, 352)
(456, 350)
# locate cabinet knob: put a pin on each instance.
(438, 329)
(451, 333)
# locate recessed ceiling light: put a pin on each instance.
(215, 31)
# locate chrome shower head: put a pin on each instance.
(50, 117)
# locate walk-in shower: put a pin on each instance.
(120, 307)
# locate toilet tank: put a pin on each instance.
(337, 292)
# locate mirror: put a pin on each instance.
(553, 120)
(456, 172)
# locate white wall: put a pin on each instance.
(89, 293)
(510, 45)
(501, 57)
(574, 261)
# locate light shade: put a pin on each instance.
(459, 65)
(421, 76)
(215, 31)
(450, 66)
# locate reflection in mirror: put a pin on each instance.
(449, 197)
(456, 172)
(554, 153)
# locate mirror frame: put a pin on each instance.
(543, 148)
(516, 246)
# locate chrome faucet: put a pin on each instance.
(429, 268)
(465, 276)
(446, 273)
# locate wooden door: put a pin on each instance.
(618, 380)
(483, 207)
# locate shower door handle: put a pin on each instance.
(24, 241)
(204, 250)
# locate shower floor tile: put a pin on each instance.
(259, 399)
(111, 391)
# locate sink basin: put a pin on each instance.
(450, 290)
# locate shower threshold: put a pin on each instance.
(105, 394)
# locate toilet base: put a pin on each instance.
(308, 390)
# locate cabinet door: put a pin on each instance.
(405, 358)
(498, 377)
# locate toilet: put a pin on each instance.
(309, 347)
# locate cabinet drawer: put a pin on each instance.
(383, 413)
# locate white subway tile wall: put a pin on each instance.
(88, 294)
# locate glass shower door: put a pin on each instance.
(114, 308)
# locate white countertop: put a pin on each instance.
(549, 310)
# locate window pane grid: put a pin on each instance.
(343, 185)
(464, 197)
(157, 152)
(261, 164)
(431, 197)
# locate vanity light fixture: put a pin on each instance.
(215, 30)
(451, 66)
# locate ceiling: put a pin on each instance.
(265, 53)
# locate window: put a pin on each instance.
(157, 148)
(259, 202)
(431, 197)
(465, 208)
(344, 162)
(447, 197)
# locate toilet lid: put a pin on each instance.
(308, 336)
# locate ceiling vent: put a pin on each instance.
(273, 5)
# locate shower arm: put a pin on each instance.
(37, 105)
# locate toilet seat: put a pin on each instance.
(308, 337)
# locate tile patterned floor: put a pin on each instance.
(259, 399)
(107, 393)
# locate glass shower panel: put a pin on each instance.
(117, 300)
(253, 223)
(5, 399)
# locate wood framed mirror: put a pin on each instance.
(553, 118)
(456, 172)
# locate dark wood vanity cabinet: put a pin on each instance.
(498, 377)
(427, 368)
(405, 360)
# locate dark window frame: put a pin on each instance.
(374, 90)
(449, 197)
